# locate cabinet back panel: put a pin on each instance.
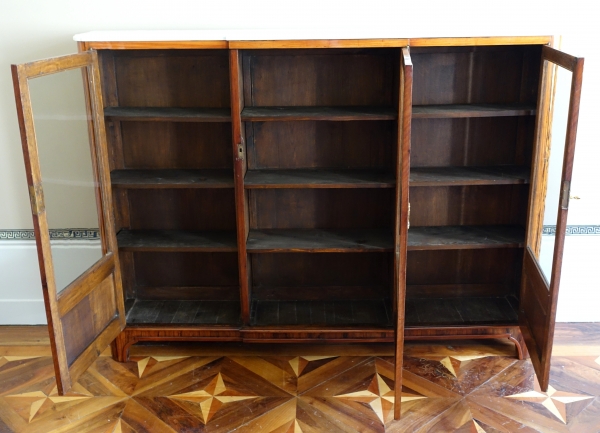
(475, 75)
(321, 208)
(468, 205)
(176, 145)
(320, 293)
(186, 275)
(471, 141)
(155, 78)
(321, 77)
(321, 276)
(185, 209)
(306, 144)
(451, 273)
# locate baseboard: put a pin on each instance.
(21, 298)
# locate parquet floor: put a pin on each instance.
(465, 387)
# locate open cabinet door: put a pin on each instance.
(62, 132)
(555, 148)
(401, 223)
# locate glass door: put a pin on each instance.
(60, 113)
(555, 147)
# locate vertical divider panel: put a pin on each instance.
(240, 166)
(116, 160)
(401, 217)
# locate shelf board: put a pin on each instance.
(177, 240)
(471, 110)
(169, 114)
(465, 237)
(451, 176)
(171, 178)
(184, 312)
(363, 312)
(261, 114)
(319, 178)
(491, 310)
(319, 240)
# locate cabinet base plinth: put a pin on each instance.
(512, 332)
(132, 335)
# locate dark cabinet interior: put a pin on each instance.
(303, 242)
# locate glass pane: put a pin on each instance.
(61, 127)
(555, 163)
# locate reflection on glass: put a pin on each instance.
(61, 128)
(555, 163)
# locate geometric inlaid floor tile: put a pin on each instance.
(377, 394)
(454, 363)
(143, 363)
(455, 391)
(555, 401)
(37, 402)
(212, 397)
(300, 363)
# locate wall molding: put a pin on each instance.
(63, 234)
(575, 230)
(93, 234)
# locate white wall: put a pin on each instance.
(32, 29)
(22, 303)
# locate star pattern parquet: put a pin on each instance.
(460, 391)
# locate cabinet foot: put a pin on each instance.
(120, 347)
(517, 338)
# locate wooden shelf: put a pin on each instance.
(261, 114)
(184, 312)
(319, 178)
(319, 240)
(450, 176)
(489, 310)
(172, 178)
(471, 110)
(465, 237)
(169, 114)
(177, 240)
(363, 312)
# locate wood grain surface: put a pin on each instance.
(318, 113)
(319, 240)
(319, 178)
(467, 386)
(172, 178)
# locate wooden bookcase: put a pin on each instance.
(318, 147)
(260, 189)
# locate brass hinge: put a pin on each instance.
(408, 219)
(36, 198)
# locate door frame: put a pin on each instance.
(539, 297)
(105, 271)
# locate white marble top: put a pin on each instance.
(258, 34)
(151, 35)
